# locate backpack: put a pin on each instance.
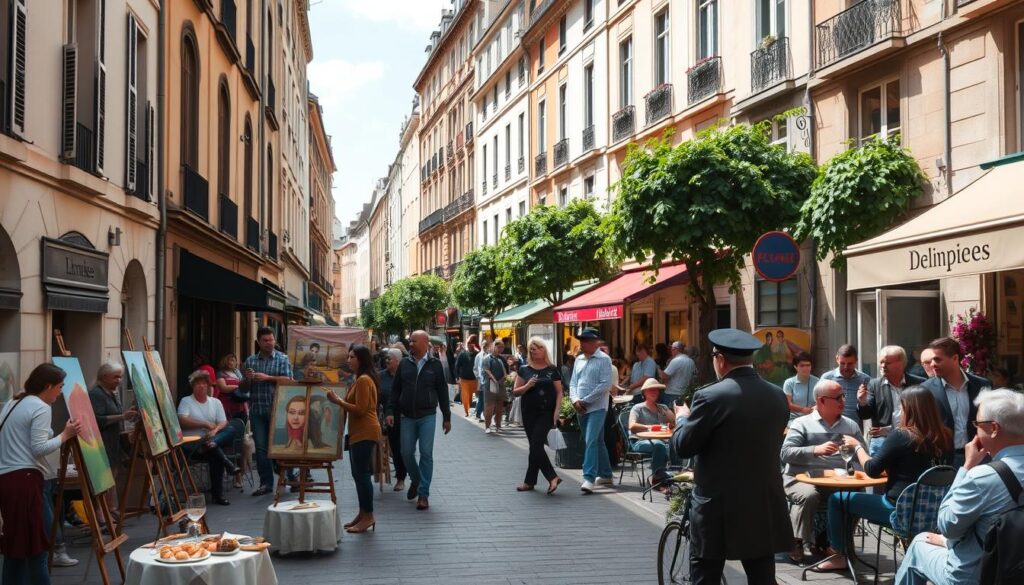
(1002, 558)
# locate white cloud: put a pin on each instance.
(411, 14)
(334, 80)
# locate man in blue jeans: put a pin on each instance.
(420, 386)
(263, 372)
(592, 378)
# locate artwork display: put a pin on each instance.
(94, 455)
(305, 425)
(321, 353)
(774, 361)
(145, 398)
(164, 398)
(8, 375)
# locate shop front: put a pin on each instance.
(534, 319)
(908, 284)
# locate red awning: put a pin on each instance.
(607, 300)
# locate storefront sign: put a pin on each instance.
(74, 278)
(776, 256)
(591, 314)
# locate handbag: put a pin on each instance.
(555, 440)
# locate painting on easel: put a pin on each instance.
(145, 396)
(164, 398)
(94, 455)
(304, 424)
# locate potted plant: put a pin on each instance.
(768, 41)
(571, 457)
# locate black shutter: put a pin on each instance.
(101, 90)
(150, 150)
(69, 95)
(132, 126)
(18, 54)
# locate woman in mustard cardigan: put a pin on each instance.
(363, 432)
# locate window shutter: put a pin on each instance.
(131, 148)
(68, 101)
(150, 151)
(101, 91)
(18, 52)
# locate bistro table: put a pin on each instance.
(243, 568)
(655, 435)
(622, 399)
(310, 527)
(845, 484)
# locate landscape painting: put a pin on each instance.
(94, 455)
(305, 425)
(164, 398)
(145, 398)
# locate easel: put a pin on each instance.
(92, 502)
(383, 462)
(305, 481)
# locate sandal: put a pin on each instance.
(554, 486)
(524, 487)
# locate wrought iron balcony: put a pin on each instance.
(508, 171)
(540, 164)
(658, 103)
(561, 152)
(252, 234)
(451, 151)
(460, 204)
(704, 80)
(588, 138)
(623, 123)
(469, 133)
(227, 220)
(228, 16)
(769, 65)
(432, 220)
(141, 189)
(272, 245)
(85, 149)
(522, 164)
(508, 91)
(196, 192)
(857, 28)
(483, 186)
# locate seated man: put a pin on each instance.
(643, 417)
(202, 415)
(976, 498)
(812, 443)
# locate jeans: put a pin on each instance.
(658, 451)
(595, 456)
(361, 459)
(876, 508)
(481, 384)
(422, 430)
(924, 562)
(875, 446)
(395, 443)
(261, 436)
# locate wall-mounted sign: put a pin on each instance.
(591, 314)
(776, 256)
(74, 278)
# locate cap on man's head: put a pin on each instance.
(734, 342)
(588, 333)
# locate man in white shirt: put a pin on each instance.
(678, 374)
(202, 415)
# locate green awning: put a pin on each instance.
(526, 310)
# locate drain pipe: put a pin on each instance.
(809, 119)
(947, 161)
(161, 232)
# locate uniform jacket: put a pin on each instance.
(735, 433)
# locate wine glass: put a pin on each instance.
(846, 452)
(195, 510)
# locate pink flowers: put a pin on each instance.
(977, 340)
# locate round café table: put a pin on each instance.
(845, 484)
(293, 527)
(655, 435)
(243, 568)
(622, 399)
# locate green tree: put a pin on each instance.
(545, 253)
(705, 202)
(858, 194)
(413, 301)
(478, 284)
(368, 315)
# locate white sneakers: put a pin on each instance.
(587, 487)
(604, 481)
(61, 559)
(488, 430)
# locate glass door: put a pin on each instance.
(910, 319)
(867, 331)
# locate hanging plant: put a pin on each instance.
(977, 340)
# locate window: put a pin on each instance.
(522, 133)
(508, 145)
(562, 35)
(661, 48)
(880, 110)
(540, 57)
(522, 71)
(508, 215)
(508, 83)
(778, 303)
(588, 187)
(485, 232)
(780, 132)
(588, 14)
(495, 228)
(542, 139)
(189, 103)
(483, 161)
(588, 90)
(626, 72)
(495, 97)
(542, 199)
(563, 196)
(522, 208)
(223, 141)
(13, 61)
(495, 161)
(707, 28)
(562, 111)
(483, 110)
(247, 174)
(771, 19)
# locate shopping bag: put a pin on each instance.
(555, 440)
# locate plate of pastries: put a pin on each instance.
(187, 552)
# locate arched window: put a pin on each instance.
(189, 102)
(224, 140)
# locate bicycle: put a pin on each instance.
(674, 544)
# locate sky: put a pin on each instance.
(366, 55)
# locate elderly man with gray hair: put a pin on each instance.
(812, 444)
(980, 493)
(879, 399)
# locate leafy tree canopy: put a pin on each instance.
(413, 301)
(478, 283)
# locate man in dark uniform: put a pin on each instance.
(735, 432)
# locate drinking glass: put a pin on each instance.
(195, 510)
(846, 452)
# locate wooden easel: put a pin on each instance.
(93, 503)
(383, 453)
(305, 481)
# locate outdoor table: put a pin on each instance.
(655, 435)
(243, 568)
(190, 439)
(847, 484)
(623, 399)
(308, 529)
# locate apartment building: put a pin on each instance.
(407, 250)
(444, 86)
(321, 212)
(78, 212)
(502, 124)
(379, 242)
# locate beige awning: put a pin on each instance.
(979, 229)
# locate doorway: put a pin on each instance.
(908, 318)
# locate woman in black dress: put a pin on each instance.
(540, 385)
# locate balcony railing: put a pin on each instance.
(522, 164)
(658, 103)
(227, 218)
(196, 191)
(141, 189)
(508, 171)
(228, 14)
(588, 138)
(857, 28)
(272, 245)
(623, 123)
(461, 203)
(483, 186)
(540, 164)
(250, 56)
(469, 133)
(252, 234)
(769, 65)
(704, 79)
(85, 149)
(451, 150)
(494, 181)
(431, 220)
(561, 152)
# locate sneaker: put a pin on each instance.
(604, 481)
(487, 430)
(61, 559)
(586, 487)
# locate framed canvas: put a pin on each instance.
(90, 442)
(164, 398)
(321, 353)
(305, 425)
(9, 380)
(145, 398)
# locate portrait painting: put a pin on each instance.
(8, 375)
(164, 398)
(94, 455)
(321, 353)
(305, 424)
(145, 398)
(774, 361)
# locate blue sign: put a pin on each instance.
(776, 256)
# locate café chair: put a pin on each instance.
(632, 457)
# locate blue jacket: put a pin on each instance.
(937, 386)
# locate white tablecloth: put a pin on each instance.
(309, 529)
(244, 568)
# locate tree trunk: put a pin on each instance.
(705, 324)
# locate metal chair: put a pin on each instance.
(632, 457)
(234, 452)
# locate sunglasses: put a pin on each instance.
(977, 423)
(840, 398)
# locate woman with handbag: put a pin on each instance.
(25, 440)
(363, 432)
(539, 385)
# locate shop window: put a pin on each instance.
(778, 303)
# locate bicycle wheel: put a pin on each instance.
(673, 556)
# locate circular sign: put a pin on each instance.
(776, 256)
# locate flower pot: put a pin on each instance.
(572, 456)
